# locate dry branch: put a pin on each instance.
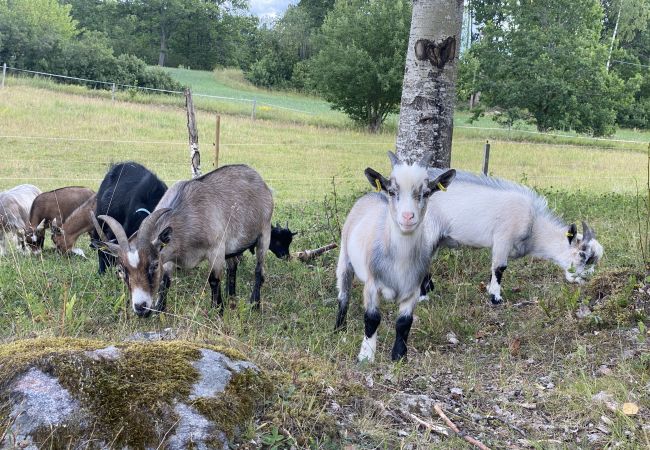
(429, 426)
(308, 255)
(453, 426)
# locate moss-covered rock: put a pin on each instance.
(62, 393)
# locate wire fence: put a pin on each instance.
(253, 101)
(17, 167)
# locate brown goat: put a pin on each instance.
(57, 204)
(78, 222)
(216, 216)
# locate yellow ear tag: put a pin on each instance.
(568, 234)
(378, 189)
(441, 187)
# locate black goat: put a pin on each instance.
(128, 193)
(279, 245)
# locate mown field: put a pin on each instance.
(528, 372)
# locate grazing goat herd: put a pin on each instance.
(388, 240)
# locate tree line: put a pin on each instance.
(579, 65)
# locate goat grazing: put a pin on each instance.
(511, 219)
(49, 206)
(78, 222)
(385, 244)
(128, 193)
(216, 216)
(15, 204)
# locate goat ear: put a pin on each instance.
(163, 238)
(376, 179)
(587, 233)
(111, 248)
(572, 233)
(394, 160)
(443, 180)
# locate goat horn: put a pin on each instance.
(394, 160)
(147, 226)
(587, 233)
(117, 230)
(426, 160)
(98, 228)
(41, 226)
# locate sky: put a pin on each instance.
(270, 9)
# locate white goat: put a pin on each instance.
(514, 221)
(385, 245)
(14, 212)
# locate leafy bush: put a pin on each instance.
(41, 35)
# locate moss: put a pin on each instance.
(246, 391)
(132, 395)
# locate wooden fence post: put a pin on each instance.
(253, 111)
(113, 92)
(4, 73)
(216, 142)
(486, 157)
(195, 156)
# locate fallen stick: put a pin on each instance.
(308, 255)
(429, 426)
(453, 426)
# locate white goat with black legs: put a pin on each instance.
(213, 217)
(514, 221)
(15, 204)
(385, 244)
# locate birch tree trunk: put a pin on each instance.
(429, 90)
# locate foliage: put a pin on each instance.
(361, 63)
(31, 31)
(41, 35)
(282, 48)
(547, 58)
(194, 33)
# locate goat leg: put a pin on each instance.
(215, 286)
(259, 280)
(231, 264)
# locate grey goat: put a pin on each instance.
(15, 204)
(213, 217)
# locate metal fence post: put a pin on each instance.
(113, 92)
(253, 111)
(4, 73)
(486, 157)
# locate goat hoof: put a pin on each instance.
(495, 300)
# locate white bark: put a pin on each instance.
(429, 90)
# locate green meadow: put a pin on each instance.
(528, 371)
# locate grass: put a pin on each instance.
(528, 370)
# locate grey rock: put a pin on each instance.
(111, 353)
(421, 405)
(216, 370)
(193, 430)
(168, 334)
(42, 410)
(39, 402)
